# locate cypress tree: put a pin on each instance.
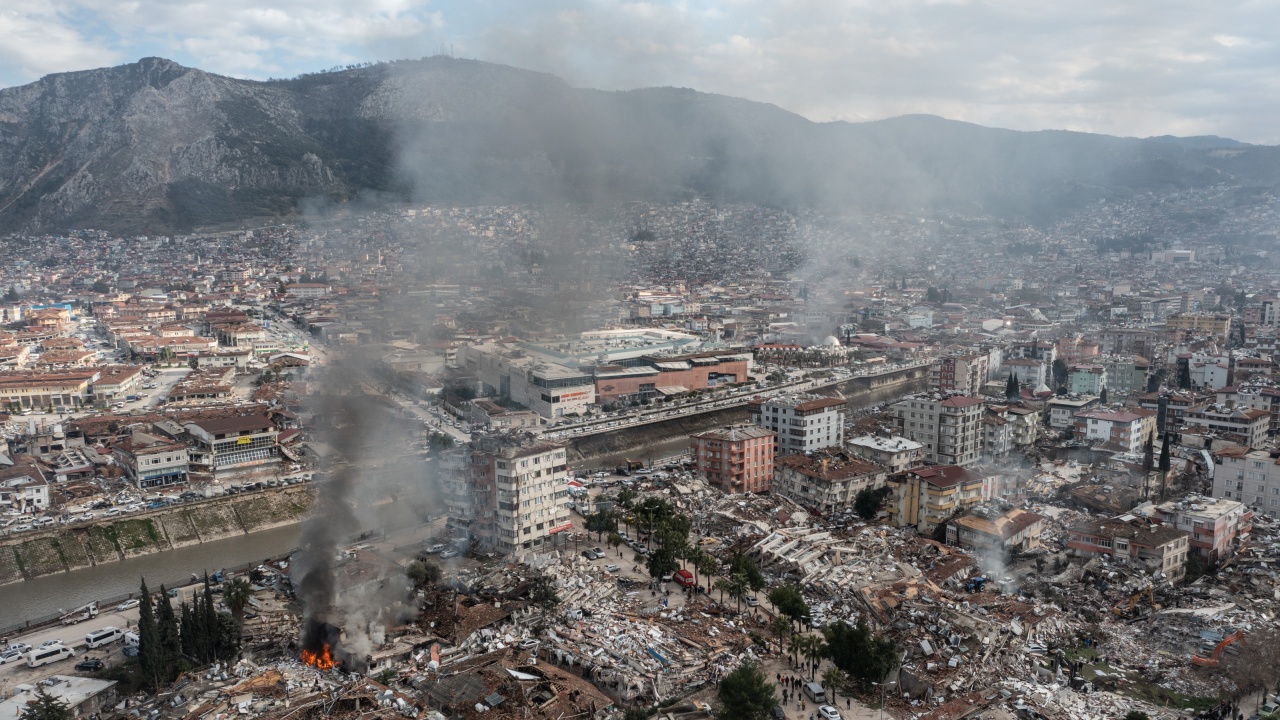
(185, 630)
(170, 641)
(1011, 388)
(211, 625)
(1165, 463)
(150, 653)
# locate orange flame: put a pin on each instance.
(322, 659)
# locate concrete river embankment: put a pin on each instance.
(35, 554)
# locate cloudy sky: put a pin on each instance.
(1125, 68)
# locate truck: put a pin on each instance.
(80, 614)
(131, 398)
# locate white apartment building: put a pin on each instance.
(1248, 476)
(1247, 426)
(801, 422)
(519, 493)
(892, 453)
(949, 427)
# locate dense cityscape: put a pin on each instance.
(603, 462)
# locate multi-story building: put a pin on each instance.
(1215, 325)
(1125, 431)
(1249, 476)
(1063, 410)
(1149, 544)
(549, 389)
(895, 454)
(948, 427)
(518, 492)
(1128, 341)
(997, 433)
(1044, 352)
(1126, 374)
(225, 445)
(1217, 526)
(23, 487)
(152, 460)
(735, 459)
(826, 480)
(962, 374)
(928, 496)
(1243, 425)
(801, 423)
(1025, 424)
(1176, 406)
(987, 530)
(1029, 372)
(1086, 379)
(307, 290)
(28, 390)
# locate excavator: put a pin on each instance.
(1213, 659)
(1129, 608)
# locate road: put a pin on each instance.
(718, 401)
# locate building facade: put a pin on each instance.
(827, 480)
(927, 497)
(949, 428)
(1216, 526)
(962, 374)
(226, 445)
(1248, 476)
(519, 493)
(894, 454)
(1243, 425)
(1156, 547)
(801, 423)
(735, 459)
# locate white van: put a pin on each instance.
(42, 521)
(814, 692)
(46, 655)
(105, 636)
(131, 639)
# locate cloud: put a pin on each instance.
(1091, 65)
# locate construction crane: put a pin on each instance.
(1213, 659)
(1129, 608)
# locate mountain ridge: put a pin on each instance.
(154, 146)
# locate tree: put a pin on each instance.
(1136, 715)
(1165, 462)
(193, 363)
(601, 522)
(781, 628)
(740, 564)
(236, 595)
(1011, 391)
(790, 602)
(1102, 396)
(45, 707)
(866, 657)
(544, 594)
(1060, 372)
(423, 573)
(11, 295)
(834, 678)
(738, 585)
(170, 640)
(615, 541)
(813, 649)
(868, 501)
(746, 694)
(150, 653)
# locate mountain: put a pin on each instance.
(153, 146)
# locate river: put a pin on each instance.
(44, 596)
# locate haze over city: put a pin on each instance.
(609, 361)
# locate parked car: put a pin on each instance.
(449, 553)
(612, 567)
(128, 604)
(19, 646)
(10, 656)
(89, 665)
(826, 712)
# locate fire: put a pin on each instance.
(322, 659)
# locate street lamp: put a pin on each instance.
(882, 687)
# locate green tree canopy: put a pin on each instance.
(746, 694)
(866, 657)
(45, 707)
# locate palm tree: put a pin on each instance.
(236, 596)
(615, 542)
(814, 650)
(708, 566)
(738, 586)
(780, 627)
(834, 678)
